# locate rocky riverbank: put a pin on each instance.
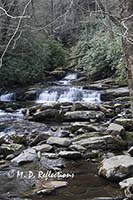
(64, 139)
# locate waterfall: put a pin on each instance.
(7, 97)
(68, 94)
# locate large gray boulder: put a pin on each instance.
(83, 115)
(116, 168)
(64, 142)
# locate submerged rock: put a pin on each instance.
(50, 187)
(64, 142)
(116, 168)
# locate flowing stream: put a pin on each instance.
(86, 185)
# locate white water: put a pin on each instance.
(68, 94)
(68, 79)
(7, 97)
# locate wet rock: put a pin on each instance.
(27, 156)
(78, 125)
(10, 157)
(127, 186)
(6, 149)
(130, 151)
(42, 148)
(117, 167)
(56, 184)
(37, 139)
(47, 115)
(115, 129)
(126, 123)
(83, 115)
(105, 142)
(77, 148)
(92, 154)
(70, 154)
(64, 142)
(58, 73)
(115, 92)
(51, 186)
(50, 155)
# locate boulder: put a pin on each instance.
(27, 156)
(64, 142)
(83, 115)
(105, 142)
(115, 129)
(126, 123)
(70, 154)
(116, 168)
(127, 186)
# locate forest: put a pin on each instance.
(66, 99)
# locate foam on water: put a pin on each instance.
(7, 97)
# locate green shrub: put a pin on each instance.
(103, 55)
(28, 63)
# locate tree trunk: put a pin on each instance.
(127, 22)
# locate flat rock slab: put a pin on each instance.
(83, 115)
(27, 156)
(64, 142)
(42, 148)
(117, 167)
(70, 154)
(105, 142)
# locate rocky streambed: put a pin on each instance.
(67, 143)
